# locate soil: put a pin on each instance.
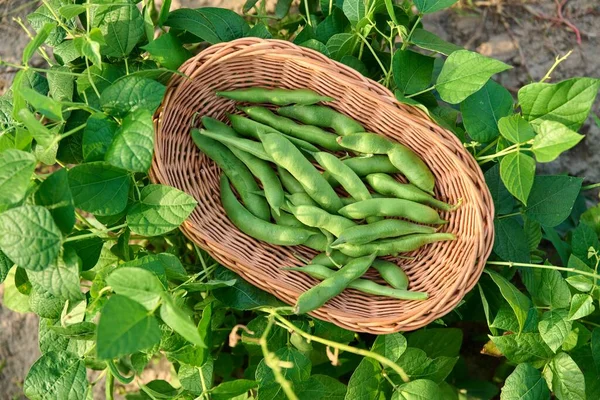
(523, 33)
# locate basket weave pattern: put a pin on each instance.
(446, 270)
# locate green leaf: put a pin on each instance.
(132, 93)
(260, 30)
(43, 104)
(554, 328)
(503, 201)
(525, 383)
(412, 71)
(56, 375)
(133, 144)
(228, 390)
(99, 188)
(329, 331)
(90, 49)
(506, 319)
(582, 238)
(167, 50)
(97, 136)
(482, 110)
(429, 41)
(54, 194)
(315, 45)
(414, 362)
(390, 346)
(547, 287)
(16, 169)
(37, 41)
(320, 387)
(242, 295)
(437, 342)
(71, 10)
(464, 73)
(517, 171)
(5, 266)
(595, 345)
(517, 300)
(526, 347)
(282, 8)
(300, 371)
(552, 139)
(515, 129)
(431, 6)
(138, 284)
(29, 237)
(122, 26)
(80, 330)
(420, 389)
(340, 45)
(46, 305)
(355, 63)
(61, 279)
(552, 198)
(365, 381)
(582, 305)
(335, 23)
(124, 328)
(565, 378)
(60, 85)
(568, 102)
(189, 376)
(13, 299)
(214, 25)
(207, 286)
(510, 242)
(160, 210)
(87, 249)
(533, 231)
(179, 321)
(354, 10)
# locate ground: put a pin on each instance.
(523, 33)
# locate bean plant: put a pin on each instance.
(91, 246)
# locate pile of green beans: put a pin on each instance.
(285, 164)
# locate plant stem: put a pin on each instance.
(509, 215)
(429, 89)
(203, 383)
(489, 146)
(308, 21)
(557, 61)
(542, 266)
(94, 234)
(109, 386)
(365, 353)
(406, 42)
(590, 187)
(372, 52)
(508, 150)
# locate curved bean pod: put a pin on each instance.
(249, 146)
(280, 97)
(333, 260)
(322, 116)
(388, 247)
(366, 143)
(391, 273)
(392, 208)
(344, 175)
(364, 166)
(290, 183)
(387, 228)
(301, 199)
(318, 218)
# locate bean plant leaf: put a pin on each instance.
(37, 41)
(29, 237)
(503, 201)
(517, 171)
(437, 342)
(242, 295)
(546, 287)
(552, 198)
(231, 389)
(525, 383)
(583, 237)
(260, 30)
(160, 210)
(482, 110)
(517, 300)
(282, 8)
(565, 378)
(61, 279)
(354, 10)
(552, 139)
(13, 299)
(213, 25)
(523, 348)
(122, 26)
(582, 305)
(181, 323)
(429, 41)
(515, 129)
(298, 372)
(365, 381)
(54, 194)
(99, 188)
(133, 144)
(554, 328)
(420, 389)
(390, 346)
(97, 136)
(132, 93)
(137, 284)
(464, 73)
(124, 328)
(412, 71)
(568, 102)
(167, 50)
(16, 169)
(595, 345)
(43, 104)
(56, 375)
(510, 242)
(431, 6)
(340, 45)
(320, 387)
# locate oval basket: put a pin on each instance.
(445, 270)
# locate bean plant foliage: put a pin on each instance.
(91, 246)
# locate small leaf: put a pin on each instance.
(40, 133)
(515, 129)
(341, 44)
(160, 210)
(517, 171)
(29, 237)
(13, 299)
(429, 41)
(552, 198)
(211, 24)
(320, 387)
(260, 30)
(525, 383)
(87, 249)
(464, 73)
(231, 389)
(315, 45)
(525, 347)
(60, 85)
(582, 305)
(412, 71)
(565, 378)
(547, 287)
(97, 136)
(37, 41)
(60, 279)
(90, 49)
(354, 10)
(138, 284)
(71, 10)
(431, 6)
(390, 346)
(510, 242)
(16, 169)
(298, 372)
(517, 300)
(179, 321)
(365, 381)
(99, 188)
(554, 328)
(133, 144)
(503, 201)
(54, 194)
(167, 50)
(43, 104)
(420, 389)
(124, 328)
(122, 26)
(244, 296)
(56, 375)
(552, 139)
(482, 110)
(132, 93)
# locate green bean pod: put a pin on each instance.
(247, 127)
(287, 219)
(386, 228)
(214, 125)
(280, 97)
(290, 183)
(387, 185)
(249, 146)
(321, 272)
(322, 116)
(317, 241)
(367, 143)
(344, 175)
(335, 284)
(301, 199)
(333, 260)
(259, 229)
(364, 166)
(309, 133)
(388, 247)
(392, 208)
(240, 176)
(266, 175)
(391, 273)
(287, 156)
(318, 218)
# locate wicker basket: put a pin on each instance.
(445, 270)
